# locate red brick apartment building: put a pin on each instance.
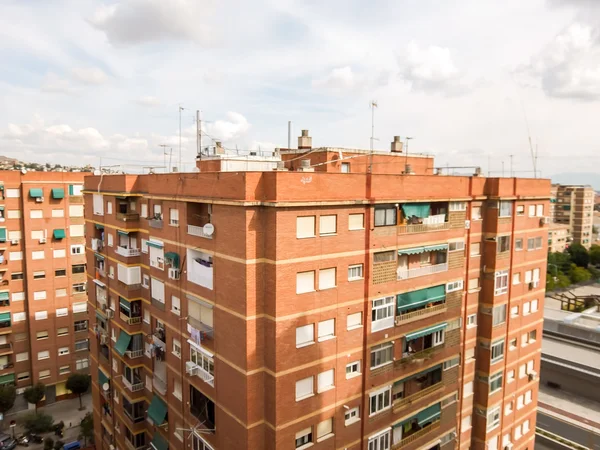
(43, 301)
(323, 307)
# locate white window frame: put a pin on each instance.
(383, 400)
(353, 221)
(351, 416)
(305, 338)
(326, 330)
(354, 367)
(328, 225)
(327, 278)
(305, 227)
(355, 272)
(351, 323)
(307, 394)
(494, 415)
(386, 310)
(308, 288)
(501, 282)
(326, 381)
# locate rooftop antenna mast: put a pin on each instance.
(533, 153)
(164, 147)
(373, 106)
(181, 108)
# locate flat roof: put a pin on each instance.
(294, 151)
(571, 352)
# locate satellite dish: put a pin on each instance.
(105, 386)
(97, 172)
(208, 229)
(23, 170)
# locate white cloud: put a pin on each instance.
(52, 83)
(569, 67)
(140, 21)
(228, 130)
(148, 100)
(430, 69)
(89, 75)
(339, 79)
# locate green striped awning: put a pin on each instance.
(411, 251)
(5, 317)
(124, 304)
(173, 259)
(2, 234)
(436, 248)
(99, 256)
(155, 244)
(99, 315)
(9, 378)
(4, 295)
(425, 331)
(157, 410)
(99, 226)
(158, 442)
(36, 192)
(59, 233)
(1, 208)
(429, 414)
(122, 343)
(410, 300)
(123, 233)
(102, 378)
(58, 193)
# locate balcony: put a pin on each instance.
(159, 384)
(405, 274)
(423, 227)
(127, 216)
(97, 245)
(133, 387)
(197, 370)
(127, 252)
(130, 320)
(155, 223)
(196, 230)
(133, 354)
(420, 314)
(6, 349)
(416, 387)
(416, 435)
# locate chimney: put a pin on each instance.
(478, 171)
(280, 167)
(304, 141)
(396, 145)
(408, 169)
(219, 150)
(305, 166)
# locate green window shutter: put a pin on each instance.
(36, 192)
(58, 193)
(157, 411)
(4, 296)
(59, 233)
(122, 343)
(2, 234)
(70, 189)
(5, 317)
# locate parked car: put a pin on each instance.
(7, 442)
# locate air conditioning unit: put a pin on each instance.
(110, 313)
(14, 241)
(532, 375)
(191, 368)
(39, 199)
(467, 224)
(174, 273)
(42, 240)
(103, 339)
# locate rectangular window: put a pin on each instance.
(495, 382)
(144, 211)
(39, 275)
(78, 288)
(98, 204)
(498, 315)
(303, 438)
(451, 363)
(13, 193)
(109, 239)
(514, 311)
(473, 284)
(37, 234)
(531, 244)
(81, 345)
(381, 354)
(384, 257)
(78, 268)
(83, 363)
(45, 354)
(501, 282)
(59, 253)
(497, 351)
(456, 246)
(60, 292)
(41, 315)
(475, 249)
(380, 400)
(63, 331)
(526, 308)
(382, 313)
(355, 272)
(356, 222)
(326, 330)
(61, 312)
(327, 278)
(13, 214)
(64, 369)
(353, 369)
(324, 429)
(539, 210)
(325, 381)
(305, 282)
(534, 305)
(531, 210)
(18, 296)
(304, 388)
(19, 317)
(471, 320)
(38, 254)
(458, 206)
(77, 249)
(76, 230)
(23, 376)
(22, 356)
(16, 276)
(476, 213)
(503, 244)
(505, 209)
(351, 416)
(518, 244)
(516, 278)
(354, 321)
(39, 295)
(327, 225)
(36, 214)
(175, 305)
(41, 335)
(493, 418)
(75, 211)
(15, 256)
(385, 216)
(305, 227)
(61, 212)
(520, 210)
(305, 335)
(454, 286)
(465, 424)
(14, 235)
(63, 351)
(174, 217)
(177, 348)
(44, 374)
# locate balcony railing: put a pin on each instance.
(196, 230)
(127, 217)
(97, 244)
(423, 227)
(134, 353)
(423, 354)
(7, 366)
(422, 271)
(5, 349)
(100, 273)
(420, 313)
(159, 384)
(155, 223)
(130, 287)
(195, 369)
(133, 387)
(130, 320)
(413, 437)
(127, 252)
(398, 404)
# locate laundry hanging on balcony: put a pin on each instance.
(421, 210)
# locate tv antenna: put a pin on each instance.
(373, 106)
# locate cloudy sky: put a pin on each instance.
(84, 79)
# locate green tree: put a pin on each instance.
(563, 281)
(37, 422)
(78, 383)
(8, 394)
(579, 274)
(595, 255)
(34, 394)
(87, 428)
(559, 261)
(579, 255)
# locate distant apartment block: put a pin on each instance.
(357, 301)
(574, 206)
(559, 237)
(43, 300)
